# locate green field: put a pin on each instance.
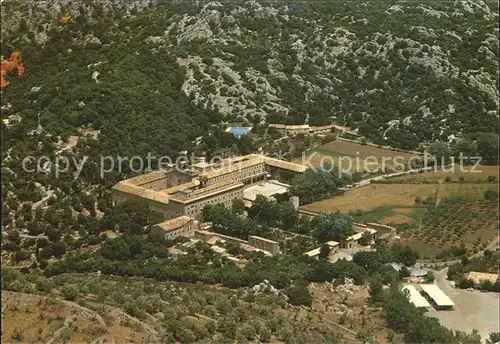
(327, 152)
(391, 214)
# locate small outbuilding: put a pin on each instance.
(479, 278)
(439, 298)
(415, 297)
(414, 272)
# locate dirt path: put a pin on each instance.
(42, 201)
(439, 193)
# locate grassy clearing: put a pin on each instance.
(391, 215)
(327, 152)
(351, 148)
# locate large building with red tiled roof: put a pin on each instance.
(185, 192)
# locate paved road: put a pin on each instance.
(473, 309)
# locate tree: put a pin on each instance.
(70, 291)
(324, 251)
(53, 235)
(404, 254)
(287, 215)
(488, 146)
(299, 295)
(263, 210)
(464, 147)
(21, 255)
(247, 331)
(336, 227)
(464, 283)
(491, 195)
(441, 151)
(376, 288)
(314, 185)
(45, 253)
(429, 277)
(14, 237)
(366, 239)
(493, 338)
(404, 272)
(370, 261)
(58, 249)
(238, 206)
(357, 177)
(265, 334)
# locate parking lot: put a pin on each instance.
(473, 309)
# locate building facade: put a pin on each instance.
(180, 226)
(264, 244)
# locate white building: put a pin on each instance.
(441, 300)
(415, 297)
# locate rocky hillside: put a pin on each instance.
(99, 309)
(401, 73)
(128, 78)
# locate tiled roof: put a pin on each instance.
(289, 126)
(285, 165)
(170, 225)
(479, 277)
(123, 186)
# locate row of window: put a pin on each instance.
(225, 199)
(241, 174)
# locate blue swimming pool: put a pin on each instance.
(239, 131)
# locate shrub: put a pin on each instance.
(299, 295)
(17, 335)
(21, 255)
(464, 283)
(70, 291)
(491, 195)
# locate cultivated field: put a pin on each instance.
(335, 150)
(374, 195)
(467, 190)
(466, 172)
(473, 222)
(395, 203)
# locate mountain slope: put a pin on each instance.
(130, 78)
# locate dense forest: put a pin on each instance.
(90, 79)
(133, 78)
